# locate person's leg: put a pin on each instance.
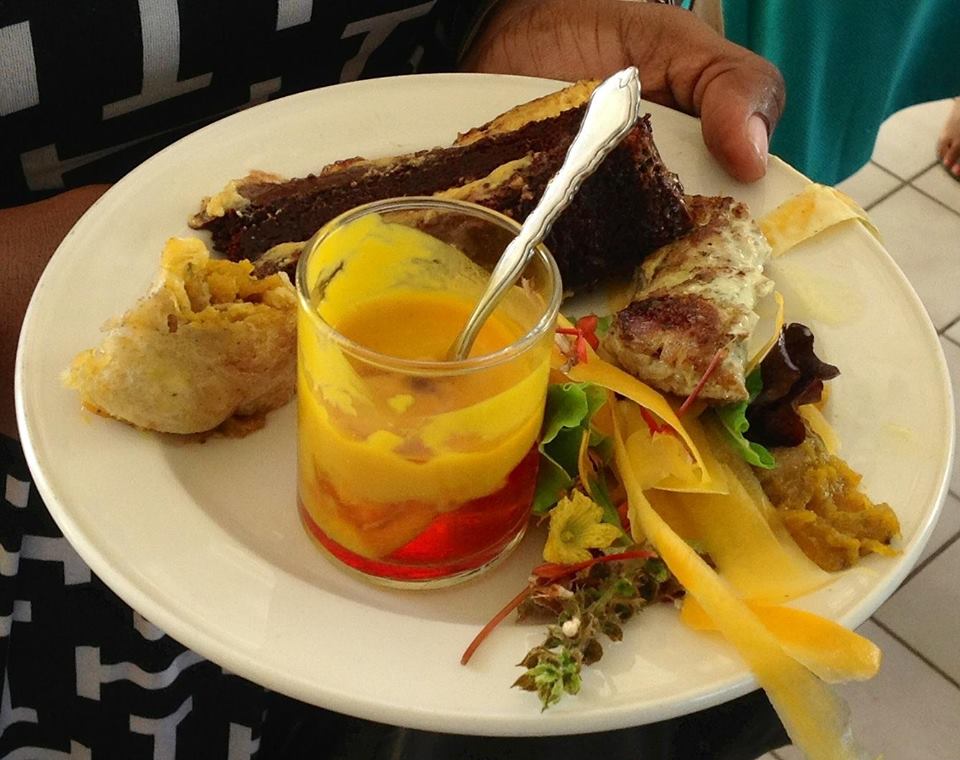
(948, 146)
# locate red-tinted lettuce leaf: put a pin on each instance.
(792, 375)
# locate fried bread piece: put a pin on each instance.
(695, 299)
(210, 345)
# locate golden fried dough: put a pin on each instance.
(209, 343)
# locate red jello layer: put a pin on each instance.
(455, 542)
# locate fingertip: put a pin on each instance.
(741, 148)
(739, 110)
(747, 171)
(758, 134)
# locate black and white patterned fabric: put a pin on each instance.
(86, 677)
(91, 88)
(83, 675)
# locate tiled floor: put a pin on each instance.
(911, 711)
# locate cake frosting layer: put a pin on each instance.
(632, 205)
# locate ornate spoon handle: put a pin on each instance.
(611, 113)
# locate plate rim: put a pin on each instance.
(218, 650)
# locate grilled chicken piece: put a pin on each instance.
(695, 297)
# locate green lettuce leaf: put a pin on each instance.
(603, 325)
(566, 416)
(552, 483)
(733, 417)
(565, 408)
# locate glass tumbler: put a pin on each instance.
(414, 470)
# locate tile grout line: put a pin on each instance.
(920, 566)
(901, 184)
(923, 171)
(910, 648)
(933, 197)
(908, 182)
(881, 167)
(904, 178)
(909, 178)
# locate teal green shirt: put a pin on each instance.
(848, 64)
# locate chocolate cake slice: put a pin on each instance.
(631, 206)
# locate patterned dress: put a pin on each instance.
(89, 89)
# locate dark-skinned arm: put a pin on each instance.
(28, 237)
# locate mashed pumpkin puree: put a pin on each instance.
(819, 500)
(389, 452)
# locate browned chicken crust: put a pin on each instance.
(695, 299)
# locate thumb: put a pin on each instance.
(739, 109)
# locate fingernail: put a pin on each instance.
(757, 134)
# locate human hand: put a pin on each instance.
(683, 63)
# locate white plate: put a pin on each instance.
(204, 540)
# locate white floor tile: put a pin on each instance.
(925, 613)
(924, 238)
(952, 353)
(908, 712)
(869, 184)
(936, 182)
(948, 526)
(954, 332)
(907, 141)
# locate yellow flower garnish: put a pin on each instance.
(576, 527)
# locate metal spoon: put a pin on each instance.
(611, 113)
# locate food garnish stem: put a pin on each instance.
(588, 327)
(495, 621)
(585, 333)
(714, 363)
(655, 427)
(580, 344)
(542, 575)
(550, 571)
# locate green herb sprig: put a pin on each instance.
(592, 603)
